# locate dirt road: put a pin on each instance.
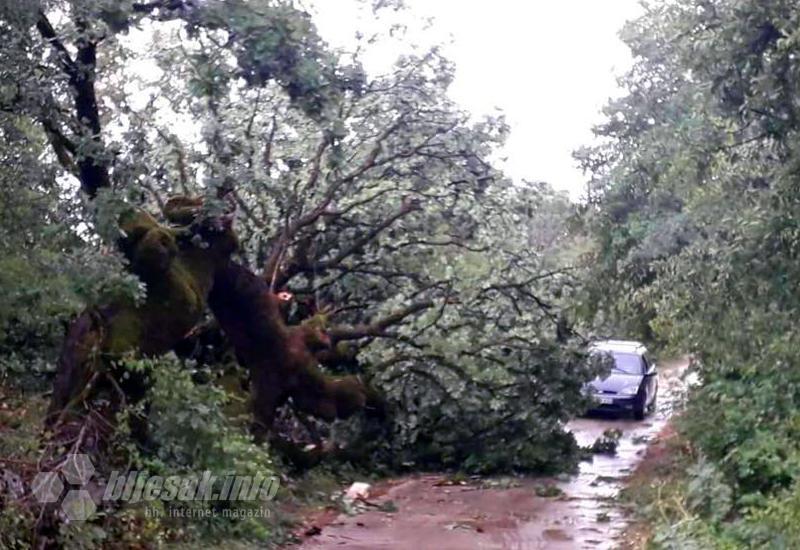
(507, 513)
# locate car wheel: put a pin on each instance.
(640, 407)
(653, 404)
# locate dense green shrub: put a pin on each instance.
(694, 198)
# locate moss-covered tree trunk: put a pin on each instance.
(177, 264)
(185, 266)
(281, 359)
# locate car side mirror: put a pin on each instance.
(651, 369)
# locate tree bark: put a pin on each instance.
(280, 358)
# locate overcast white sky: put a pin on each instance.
(550, 65)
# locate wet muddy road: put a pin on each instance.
(506, 513)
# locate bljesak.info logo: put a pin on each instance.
(68, 485)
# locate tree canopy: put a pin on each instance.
(381, 257)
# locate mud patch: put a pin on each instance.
(578, 511)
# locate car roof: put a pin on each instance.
(626, 346)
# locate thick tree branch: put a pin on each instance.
(92, 172)
(47, 31)
(378, 328)
(272, 269)
(409, 205)
(63, 147)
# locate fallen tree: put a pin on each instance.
(185, 268)
(372, 203)
(372, 200)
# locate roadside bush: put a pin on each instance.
(190, 432)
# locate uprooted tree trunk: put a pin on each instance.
(281, 359)
(185, 268)
(177, 265)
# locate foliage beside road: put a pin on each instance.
(695, 200)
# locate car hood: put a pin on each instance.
(615, 381)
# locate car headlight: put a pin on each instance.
(630, 390)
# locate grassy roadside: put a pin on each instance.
(655, 492)
(303, 500)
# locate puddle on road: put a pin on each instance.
(592, 515)
(583, 514)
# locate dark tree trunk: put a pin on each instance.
(280, 359)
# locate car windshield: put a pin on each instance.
(629, 363)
